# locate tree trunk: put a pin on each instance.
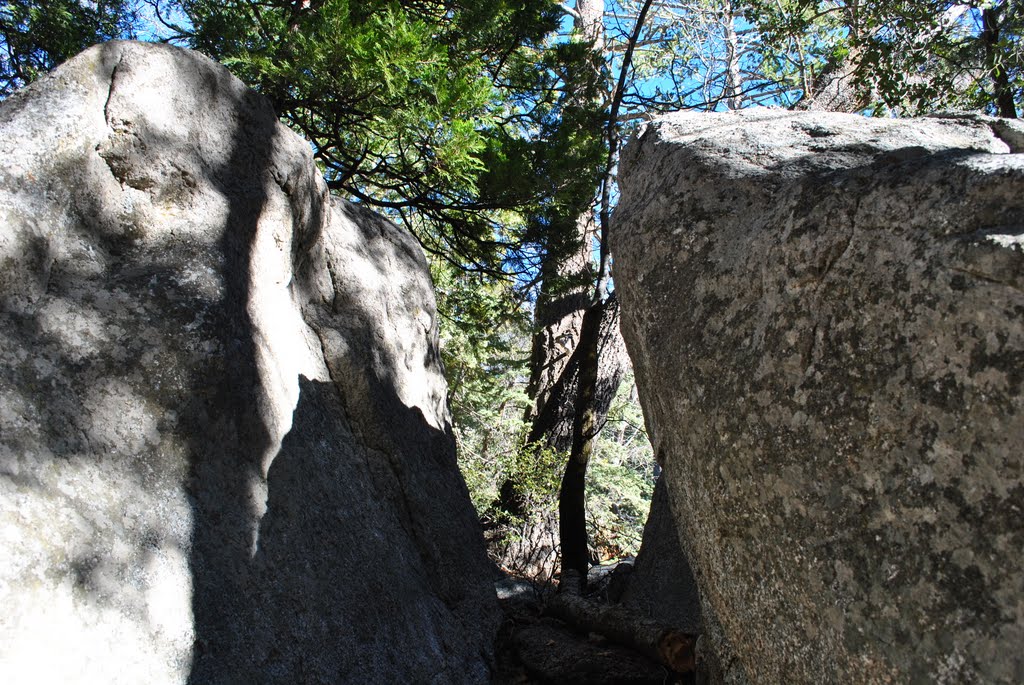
(1002, 92)
(560, 310)
(589, 22)
(600, 322)
(601, 360)
(566, 283)
(835, 88)
(572, 519)
(733, 80)
(558, 318)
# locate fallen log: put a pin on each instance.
(666, 645)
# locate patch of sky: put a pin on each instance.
(160, 21)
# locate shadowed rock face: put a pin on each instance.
(225, 452)
(826, 317)
(661, 585)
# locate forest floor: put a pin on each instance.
(535, 648)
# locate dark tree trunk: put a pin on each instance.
(567, 283)
(552, 386)
(558, 319)
(566, 286)
(601, 362)
(1002, 92)
(600, 323)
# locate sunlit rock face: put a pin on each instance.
(826, 317)
(225, 453)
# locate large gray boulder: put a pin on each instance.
(826, 317)
(225, 450)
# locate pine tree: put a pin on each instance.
(37, 35)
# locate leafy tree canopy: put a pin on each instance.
(433, 110)
(903, 57)
(37, 35)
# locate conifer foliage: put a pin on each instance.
(417, 107)
(37, 35)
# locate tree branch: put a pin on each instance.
(604, 270)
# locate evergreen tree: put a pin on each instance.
(37, 35)
(429, 110)
(907, 58)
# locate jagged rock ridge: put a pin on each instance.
(826, 317)
(225, 451)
